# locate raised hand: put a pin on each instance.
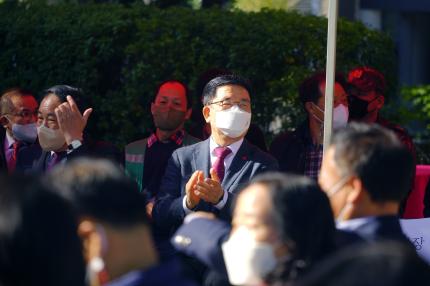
(70, 120)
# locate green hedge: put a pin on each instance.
(118, 54)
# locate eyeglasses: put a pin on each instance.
(25, 114)
(227, 103)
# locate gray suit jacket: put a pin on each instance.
(168, 212)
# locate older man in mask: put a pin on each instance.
(18, 117)
(208, 175)
(146, 159)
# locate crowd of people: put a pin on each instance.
(210, 205)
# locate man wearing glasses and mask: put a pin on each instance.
(18, 117)
(207, 176)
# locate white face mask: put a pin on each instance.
(233, 122)
(25, 132)
(340, 116)
(50, 139)
(246, 260)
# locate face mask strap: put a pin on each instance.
(338, 186)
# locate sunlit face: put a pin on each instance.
(46, 114)
(171, 95)
(24, 111)
(339, 97)
(225, 97)
(329, 178)
(254, 211)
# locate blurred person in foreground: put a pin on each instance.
(18, 114)
(113, 225)
(366, 172)
(282, 225)
(38, 236)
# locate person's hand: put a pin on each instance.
(72, 123)
(210, 189)
(190, 190)
(149, 207)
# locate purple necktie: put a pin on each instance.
(220, 153)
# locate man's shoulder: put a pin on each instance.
(256, 154)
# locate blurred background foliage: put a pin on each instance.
(119, 53)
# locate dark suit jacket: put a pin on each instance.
(381, 228)
(26, 155)
(168, 212)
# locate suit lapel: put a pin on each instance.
(237, 167)
(201, 158)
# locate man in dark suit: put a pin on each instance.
(366, 172)
(208, 175)
(18, 117)
(60, 126)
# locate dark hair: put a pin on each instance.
(187, 92)
(62, 91)
(210, 89)
(206, 77)
(98, 189)
(309, 89)
(304, 218)
(6, 105)
(380, 263)
(39, 243)
(376, 156)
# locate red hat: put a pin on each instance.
(366, 79)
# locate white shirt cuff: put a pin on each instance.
(184, 206)
(222, 203)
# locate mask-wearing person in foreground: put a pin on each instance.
(366, 173)
(301, 151)
(18, 109)
(282, 224)
(115, 231)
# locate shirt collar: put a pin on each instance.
(234, 147)
(9, 140)
(177, 138)
(353, 224)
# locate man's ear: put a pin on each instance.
(188, 113)
(4, 121)
(85, 228)
(356, 192)
(309, 107)
(380, 101)
(206, 113)
(152, 108)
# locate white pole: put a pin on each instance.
(330, 71)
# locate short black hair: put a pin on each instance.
(62, 91)
(98, 189)
(210, 89)
(39, 243)
(304, 218)
(188, 95)
(381, 263)
(309, 89)
(376, 156)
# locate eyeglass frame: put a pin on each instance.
(241, 103)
